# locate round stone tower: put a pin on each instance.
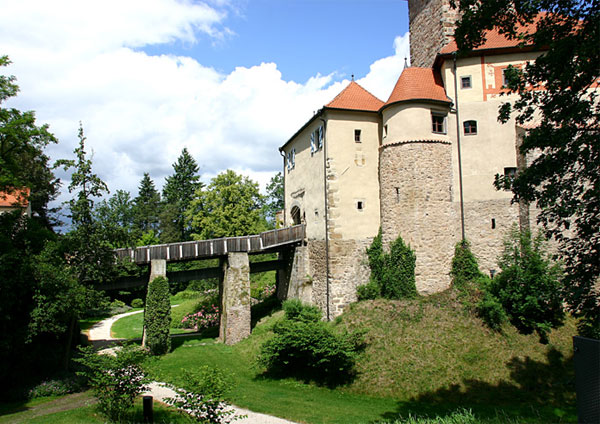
(415, 167)
(432, 24)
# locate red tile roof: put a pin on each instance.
(495, 40)
(354, 97)
(17, 197)
(418, 84)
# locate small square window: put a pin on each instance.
(438, 123)
(510, 172)
(360, 205)
(357, 136)
(470, 127)
(465, 82)
(504, 78)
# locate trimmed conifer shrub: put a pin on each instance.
(464, 265)
(157, 317)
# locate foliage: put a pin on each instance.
(464, 265)
(55, 387)
(146, 207)
(23, 162)
(529, 286)
(399, 273)
(274, 201)
(157, 317)
(230, 206)
(392, 274)
(305, 347)
(137, 303)
(115, 217)
(204, 318)
(203, 396)
(90, 254)
(178, 192)
(368, 291)
(148, 238)
(115, 380)
(558, 93)
(490, 310)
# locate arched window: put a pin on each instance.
(470, 127)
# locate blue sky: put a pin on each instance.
(304, 37)
(230, 80)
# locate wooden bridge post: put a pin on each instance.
(235, 298)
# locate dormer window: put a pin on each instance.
(357, 136)
(438, 123)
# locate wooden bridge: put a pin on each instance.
(268, 241)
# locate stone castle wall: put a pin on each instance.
(432, 24)
(416, 203)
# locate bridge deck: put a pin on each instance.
(203, 249)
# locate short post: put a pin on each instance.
(148, 412)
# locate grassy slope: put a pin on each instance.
(425, 356)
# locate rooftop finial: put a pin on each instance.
(352, 77)
(405, 62)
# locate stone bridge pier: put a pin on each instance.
(234, 294)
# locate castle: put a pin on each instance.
(420, 165)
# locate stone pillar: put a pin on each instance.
(235, 298)
(158, 268)
(294, 281)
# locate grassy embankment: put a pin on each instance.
(424, 357)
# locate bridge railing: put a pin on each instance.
(214, 247)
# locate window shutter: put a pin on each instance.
(320, 136)
(293, 157)
(289, 160)
(312, 143)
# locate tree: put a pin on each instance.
(274, 201)
(230, 206)
(22, 159)
(90, 254)
(115, 218)
(559, 93)
(147, 207)
(178, 193)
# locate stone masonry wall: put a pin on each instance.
(432, 24)
(416, 203)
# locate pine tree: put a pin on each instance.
(178, 193)
(147, 206)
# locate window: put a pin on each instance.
(357, 136)
(509, 175)
(316, 140)
(360, 205)
(465, 82)
(504, 78)
(385, 130)
(291, 159)
(470, 127)
(438, 123)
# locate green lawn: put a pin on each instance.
(75, 409)
(130, 327)
(425, 357)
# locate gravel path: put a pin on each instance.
(99, 334)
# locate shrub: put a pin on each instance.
(529, 286)
(305, 347)
(490, 310)
(399, 272)
(464, 265)
(392, 274)
(369, 291)
(206, 317)
(157, 317)
(203, 396)
(137, 303)
(54, 387)
(115, 380)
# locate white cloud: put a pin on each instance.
(77, 61)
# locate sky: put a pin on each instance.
(230, 80)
